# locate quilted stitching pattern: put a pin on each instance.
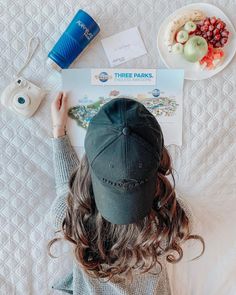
(205, 163)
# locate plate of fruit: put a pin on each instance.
(199, 38)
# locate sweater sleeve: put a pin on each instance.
(65, 161)
(187, 209)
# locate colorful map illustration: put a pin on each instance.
(86, 109)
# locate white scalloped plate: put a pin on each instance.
(193, 70)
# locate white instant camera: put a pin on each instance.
(22, 97)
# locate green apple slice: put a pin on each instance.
(190, 26)
(182, 36)
(178, 48)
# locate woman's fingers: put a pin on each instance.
(60, 101)
(64, 101)
(59, 109)
(57, 101)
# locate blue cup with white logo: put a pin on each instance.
(80, 32)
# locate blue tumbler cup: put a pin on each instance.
(73, 41)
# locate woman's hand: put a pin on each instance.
(59, 114)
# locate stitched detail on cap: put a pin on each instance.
(125, 183)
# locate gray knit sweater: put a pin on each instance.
(78, 282)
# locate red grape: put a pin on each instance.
(217, 37)
(209, 33)
(216, 31)
(220, 25)
(213, 20)
(224, 41)
(211, 27)
(213, 30)
(224, 33)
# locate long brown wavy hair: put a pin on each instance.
(106, 250)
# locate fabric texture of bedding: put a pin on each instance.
(205, 165)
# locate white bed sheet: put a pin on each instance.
(205, 164)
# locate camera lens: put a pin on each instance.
(21, 100)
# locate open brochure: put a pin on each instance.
(161, 91)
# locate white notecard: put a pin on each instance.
(124, 46)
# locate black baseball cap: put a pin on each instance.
(124, 145)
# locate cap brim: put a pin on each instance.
(124, 207)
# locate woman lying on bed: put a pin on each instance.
(117, 207)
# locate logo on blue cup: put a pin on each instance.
(87, 33)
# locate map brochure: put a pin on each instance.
(160, 90)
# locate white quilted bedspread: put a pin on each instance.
(205, 164)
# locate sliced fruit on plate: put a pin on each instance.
(213, 57)
(178, 48)
(178, 22)
(182, 37)
(190, 27)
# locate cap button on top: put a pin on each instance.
(126, 130)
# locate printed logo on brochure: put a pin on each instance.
(124, 77)
(103, 77)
